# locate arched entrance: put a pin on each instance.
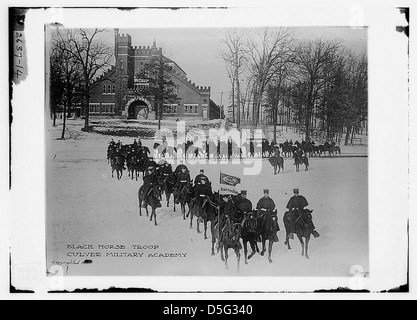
(137, 109)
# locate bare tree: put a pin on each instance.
(357, 102)
(263, 54)
(312, 59)
(235, 59)
(94, 56)
(68, 69)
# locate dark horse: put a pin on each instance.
(267, 229)
(117, 164)
(228, 237)
(249, 235)
(183, 197)
(300, 159)
(295, 222)
(202, 209)
(167, 183)
(278, 163)
(153, 201)
(336, 150)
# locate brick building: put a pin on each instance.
(118, 92)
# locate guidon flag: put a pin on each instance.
(228, 184)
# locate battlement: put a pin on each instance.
(204, 89)
(146, 51)
(124, 40)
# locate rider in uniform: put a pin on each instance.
(266, 204)
(149, 182)
(227, 211)
(244, 208)
(179, 168)
(296, 206)
(202, 185)
(183, 179)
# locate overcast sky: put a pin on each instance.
(198, 51)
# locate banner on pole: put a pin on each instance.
(229, 180)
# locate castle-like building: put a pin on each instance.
(119, 91)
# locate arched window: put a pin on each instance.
(109, 89)
(104, 89)
(113, 89)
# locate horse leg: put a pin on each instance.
(213, 242)
(245, 250)
(302, 244)
(191, 220)
(140, 205)
(287, 241)
(221, 251)
(253, 247)
(271, 243)
(198, 225)
(307, 241)
(263, 246)
(154, 214)
(205, 229)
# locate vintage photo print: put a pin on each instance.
(226, 150)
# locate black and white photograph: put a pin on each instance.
(208, 151)
(229, 150)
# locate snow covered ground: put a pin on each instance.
(85, 206)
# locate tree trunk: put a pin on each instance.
(54, 117)
(238, 102)
(65, 120)
(160, 110)
(347, 135)
(87, 110)
(233, 100)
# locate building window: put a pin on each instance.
(108, 108)
(113, 89)
(94, 108)
(170, 109)
(191, 109)
(104, 89)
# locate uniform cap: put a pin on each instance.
(266, 191)
(296, 190)
(244, 192)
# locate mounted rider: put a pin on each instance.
(180, 168)
(183, 180)
(296, 206)
(150, 183)
(265, 205)
(202, 185)
(265, 208)
(227, 212)
(244, 208)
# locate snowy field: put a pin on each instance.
(85, 206)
